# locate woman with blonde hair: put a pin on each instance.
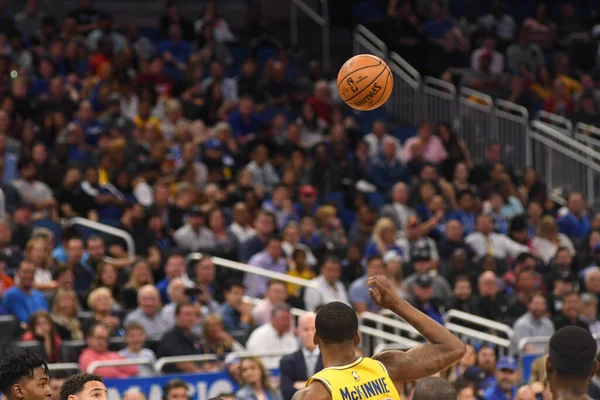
(383, 239)
(37, 251)
(215, 339)
(548, 240)
(64, 315)
(255, 381)
(100, 301)
(140, 275)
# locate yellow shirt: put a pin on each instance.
(364, 378)
(294, 290)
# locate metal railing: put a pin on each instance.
(404, 101)
(475, 122)
(468, 335)
(321, 19)
(64, 367)
(107, 229)
(366, 42)
(454, 315)
(438, 101)
(161, 362)
(511, 122)
(94, 365)
(558, 122)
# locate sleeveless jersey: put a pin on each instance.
(363, 379)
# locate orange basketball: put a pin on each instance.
(365, 82)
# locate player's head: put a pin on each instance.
(336, 324)
(24, 375)
(571, 360)
(434, 388)
(83, 387)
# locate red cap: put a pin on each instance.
(308, 191)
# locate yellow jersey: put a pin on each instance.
(364, 378)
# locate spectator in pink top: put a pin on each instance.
(97, 350)
(425, 146)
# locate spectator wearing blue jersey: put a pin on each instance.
(245, 121)
(22, 300)
(92, 128)
(466, 211)
(383, 239)
(576, 223)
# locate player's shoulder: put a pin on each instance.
(315, 391)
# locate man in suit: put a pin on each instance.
(296, 368)
(398, 211)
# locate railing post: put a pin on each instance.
(325, 34)
(293, 23)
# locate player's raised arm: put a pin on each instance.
(443, 350)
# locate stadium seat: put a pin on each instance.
(376, 200)
(71, 349)
(117, 343)
(9, 326)
(152, 344)
(32, 345)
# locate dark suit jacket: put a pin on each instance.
(292, 368)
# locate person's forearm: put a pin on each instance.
(430, 329)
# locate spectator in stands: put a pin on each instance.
(245, 121)
(64, 315)
(524, 57)
(425, 147)
(148, 313)
(586, 110)
(576, 223)
(263, 172)
(34, 192)
(328, 286)
(275, 295)
(489, 47)
(524, 289)
(95, 252)
(589, 312)
(559, 102)
(274, 336)
(226, 242)
(464, 389)
(414, 243)
(548, 240)
(270, 259)
(533, 323)
(463, 299)
(215, 339)
(280, 205)
(375, 140)
(83, 274)
(107, 276)
(382, 240)
(235, 312)
(570, 313)
(38, 252)
(486, 242)
(563, 284)
(358, 292)
(291, 243)
(228, 85)
(139, 275)
(135, 336)
(174, 268)
(22, 300)
(205, 272)
(467, 361)
(506, 377)
(500, 23)
(493, 304)
(398, 211)
(97, 350)
(296, 368)
(255, 381)
(100, 302)
(177, 294)
(180, 340)
(321, 100)
(194, 236)
(41, 328)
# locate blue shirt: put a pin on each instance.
(232, 319)
(180, 50)
(496, 393)
(162, 288)
(372, 250)
(359, 293)
(241, 127)
(467, 220)
(92, 130)
(574, 227)
(257, 285)
(60, 254)
(10, 171)
(22, 305)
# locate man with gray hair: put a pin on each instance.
(148, 313)
(589, 311)
(433, 388)
(592, 280)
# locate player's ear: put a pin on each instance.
(548, 366)
(316, 339)
(356, 339)
(17, 391)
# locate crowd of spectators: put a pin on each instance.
(538, 54)
(255, 160)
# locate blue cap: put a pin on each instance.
(212, 144)
(507, 363)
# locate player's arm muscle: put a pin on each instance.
(417, 363)
(314, 391)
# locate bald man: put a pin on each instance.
(433, 388)
(525, 393)
(296, 368)
(148, 313)
(133, 394)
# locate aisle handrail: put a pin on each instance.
(110, 230)
(238, 266)
(388, 336)
(94, 365)
(366, 38)
(64, 367)
(161, 362)
(474, 319)
(482, 336)
(321, 20)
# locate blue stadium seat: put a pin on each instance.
(404, 132)
(366, 11)
(54, 226)
(264, 53)
(376, 200)
(335, 198)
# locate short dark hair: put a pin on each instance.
(462, 278)
(573, 352)
(75, 384)
(336, 322)
(461, 384)
(93, 327)
(434, 388)
(275, 282)
(172, 384)
(180, 307)
(19, 365)
(132, 326)
(234, 283)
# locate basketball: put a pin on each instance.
(365, 82)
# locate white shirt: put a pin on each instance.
(311, 358)
(375, 145)
(547, 249)
(242, 233)
(497, 64)
(424, 243)
(502, 246)
(288, 250)
(324, 294)
(266, 339)
(187, 238)
(403, 212)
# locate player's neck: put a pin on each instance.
(336, 356)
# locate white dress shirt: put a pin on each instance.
(502, 246)
(266, 339)
(324, 293)
(547, 249)
(242, 233)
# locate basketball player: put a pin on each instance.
(24, 376)
(346, 377)
(571, 363)
(434, 388)
(83, 387)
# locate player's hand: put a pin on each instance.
(382, 292)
